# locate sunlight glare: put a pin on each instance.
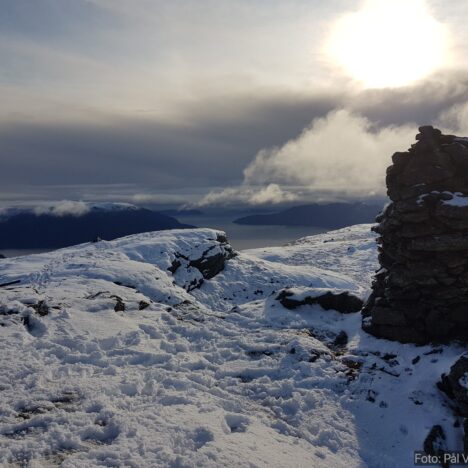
(388, 43)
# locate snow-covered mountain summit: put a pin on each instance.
(170, 349)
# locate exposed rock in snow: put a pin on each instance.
(435, 443)
(212, 260)
(142, 305)
(454, 384)
(221, 375)
(119, 304)
(463, 381)
(343, 302)
(192, 270)
(421, 293)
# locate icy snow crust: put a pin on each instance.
(457, 200)
(222, 375)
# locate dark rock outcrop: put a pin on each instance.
(142, 305)
(343, 302)
(174, 266)
(196, 268)
(455, 385)
(210, 266)
(435, 443)
(341, 339)
(119, 304)
(211, 262)
(420, 294)
(41, 308)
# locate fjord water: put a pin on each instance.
(244, 237)
(240, 236)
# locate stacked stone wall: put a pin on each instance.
(420, 294)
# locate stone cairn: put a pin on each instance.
(420, 293)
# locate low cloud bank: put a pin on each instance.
(63, 208)
(342, 154)
(455, 119)
(251, 195)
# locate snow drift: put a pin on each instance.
(169, 349)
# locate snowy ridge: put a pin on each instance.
(165, 349)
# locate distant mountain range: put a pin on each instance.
(20, 229)
(332, 215)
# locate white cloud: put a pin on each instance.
(455, 119)
(340, 154)
(272, 193)
(64, 208)
(269, 194)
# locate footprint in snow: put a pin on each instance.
(235, 423)
(201, 437)
(103, 432)
(151, 331)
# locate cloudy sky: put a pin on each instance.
(221, 101)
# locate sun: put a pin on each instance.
(388, 43)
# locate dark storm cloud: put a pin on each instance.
(209, 145)
(421, 103)
(112, 98)
(345, 154)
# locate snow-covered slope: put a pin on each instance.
(140, 352)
